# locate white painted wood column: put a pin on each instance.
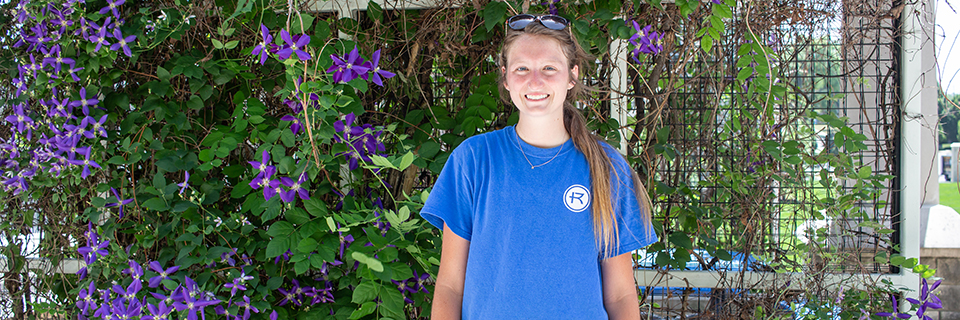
(918, 139)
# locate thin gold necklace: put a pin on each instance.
(528, 159)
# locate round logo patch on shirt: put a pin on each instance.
(576, 198)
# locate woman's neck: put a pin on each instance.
(542, 133)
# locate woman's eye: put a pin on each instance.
(521, 68)
(549, 68)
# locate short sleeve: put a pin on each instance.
(451, 200)
(635, 233)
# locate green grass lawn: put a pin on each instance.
(949, 196)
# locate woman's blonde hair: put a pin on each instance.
(604, 215)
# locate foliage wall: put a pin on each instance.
(267, 159)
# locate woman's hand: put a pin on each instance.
(448, 298)
(619, 287)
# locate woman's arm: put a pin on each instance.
(619, 287)
(448, 295)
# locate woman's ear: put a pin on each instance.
(575, 75)
(503, 72)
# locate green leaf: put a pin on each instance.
(366, 291)
(706, 43)
(297, 216)
(205, 155)
(280, 228)
(429, 149)
(195, 102)
(681, 240)
(381, 161)
(881, 257)
(865, 172)
(392, 217)
(277, 247)
(493, 14)
(391, 304)
(910, 263)
(315, 207)
(663, 134)
(373, 263)
(374, 11)
(232, 44)
(155, 204)
(301, 266)
(359, 84)
(331, 224)
(163, 74)
(897, 260)
(307, 245)
(365, 309)
(217, 44)
(406, 161)
(744, 74)
(722, 11)
(296, 27)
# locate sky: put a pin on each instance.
(947, 46)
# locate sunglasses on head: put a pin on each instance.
(520, 21)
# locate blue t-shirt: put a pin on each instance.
(533, 253)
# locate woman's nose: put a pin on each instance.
(537, 79)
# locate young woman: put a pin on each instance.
(539, 220)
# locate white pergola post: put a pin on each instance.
(619, 104)
(918, 140)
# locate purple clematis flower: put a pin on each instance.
(348, 68)
(96, 127)
(294, 295)
(421, 281)
(645, 41)
(100, 34)
(376, 74)
(112, 6)
(122, 42)
(193, 305)
(273, 189)
(159, 311)
(295, 127)
(130, 293)
(55, 59)
(186, 179)
(87, 163)
(83, 29)
(264, 45)
(132, 311)
(295, 188)
(84, 102)
(346, 129)
(247, 307)
(237, 283)
(85, 298)
(162, 274)
(263, 164)
(19, 118)
(294, 46)
(135, 271)
(120, 202)
(73, 73)
(896, 312)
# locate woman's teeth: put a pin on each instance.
(536, 96)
